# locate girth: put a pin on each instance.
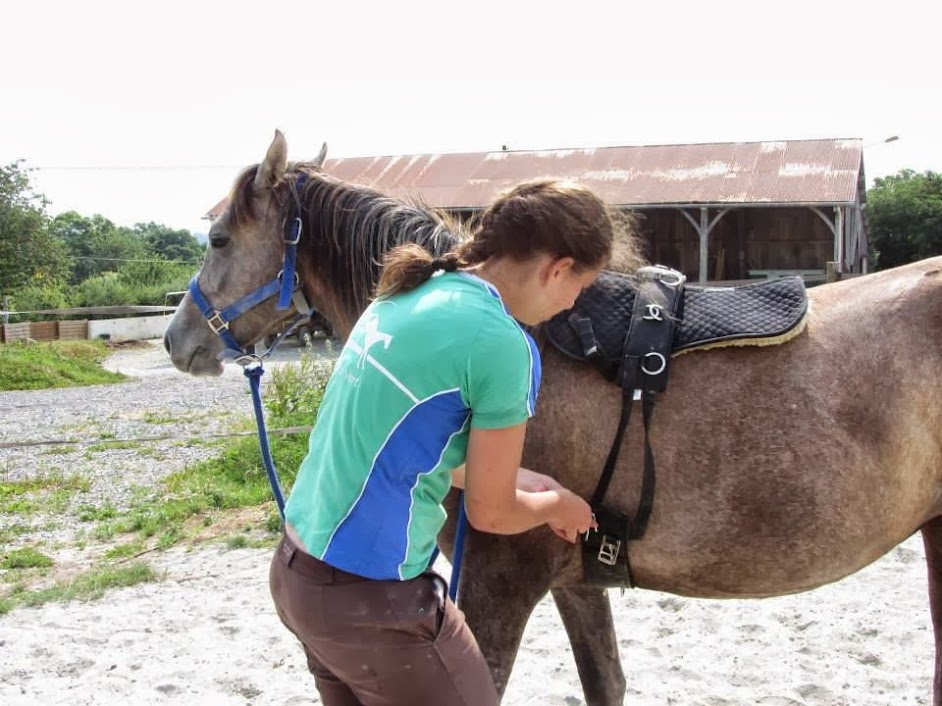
(631, 326)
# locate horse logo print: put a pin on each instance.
(372, 336)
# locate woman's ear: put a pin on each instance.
(561, 266)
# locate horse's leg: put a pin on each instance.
(502, 580)
(932, 539)
(587, 616)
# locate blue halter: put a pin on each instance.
(285, 285)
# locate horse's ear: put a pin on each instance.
(322, 155)
(272, 169)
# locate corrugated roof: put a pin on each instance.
(786, 172)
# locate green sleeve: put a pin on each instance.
(499, 377)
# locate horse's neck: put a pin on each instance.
(355, 231)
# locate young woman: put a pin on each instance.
(433, 388)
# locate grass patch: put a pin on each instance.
(111, 446)
(83, 587)
(123, 551)
(17, 529)
(90, 513)
(39, 366)
(47, 492)
(59, 450)
(237, 541)
(26, 558)
(162, 418)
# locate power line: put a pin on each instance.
(122, 259)
(134, 167)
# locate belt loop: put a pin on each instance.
(288, 551)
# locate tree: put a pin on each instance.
(904, 217)
(174, 245)
(29, 255)
(96, 244)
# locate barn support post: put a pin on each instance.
(704, 232)
(836, 226)
(703, 228)
(839, 240)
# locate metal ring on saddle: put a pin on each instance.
(671, 278)
(661, 360)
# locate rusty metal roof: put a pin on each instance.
(744, 173)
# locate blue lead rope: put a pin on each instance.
(254, 374)
(458, 551)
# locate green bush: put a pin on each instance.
(34, 297)
(108, 289)
(295, 392)
(144, 283)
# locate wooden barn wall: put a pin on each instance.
(744, 239)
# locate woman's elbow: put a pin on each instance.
(483, 519)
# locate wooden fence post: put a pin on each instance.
(831, 273)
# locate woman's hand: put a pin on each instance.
(574, 516)
(533, 482)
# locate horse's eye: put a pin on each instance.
(219, 240)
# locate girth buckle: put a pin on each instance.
(608, 550)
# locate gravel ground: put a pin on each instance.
(156, 401)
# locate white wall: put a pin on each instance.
(129, 329)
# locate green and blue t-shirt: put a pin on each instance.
(417, 372)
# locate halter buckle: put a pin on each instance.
(296, 228)
(216, 322)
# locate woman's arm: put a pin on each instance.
(493, 500)
(527, 480)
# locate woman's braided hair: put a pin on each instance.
(561, 219)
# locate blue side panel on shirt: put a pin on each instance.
(377, 525)
(536, 372)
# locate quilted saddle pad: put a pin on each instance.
(757, 314)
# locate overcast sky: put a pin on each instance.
(146, 112)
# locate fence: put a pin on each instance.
(115, 329)
(127, 329)
(44, 331)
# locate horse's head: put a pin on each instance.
(244, 289)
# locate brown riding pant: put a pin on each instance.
(379, 643)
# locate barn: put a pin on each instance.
(716, 211)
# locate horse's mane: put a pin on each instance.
(348, 229)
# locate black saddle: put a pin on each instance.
(752, 314)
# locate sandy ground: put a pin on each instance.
(206, 634)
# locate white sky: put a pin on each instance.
(192, 90)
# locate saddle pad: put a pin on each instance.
(764, 313)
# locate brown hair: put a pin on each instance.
(543, 216)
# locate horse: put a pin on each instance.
(779, 469)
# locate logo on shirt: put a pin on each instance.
(372, 336)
